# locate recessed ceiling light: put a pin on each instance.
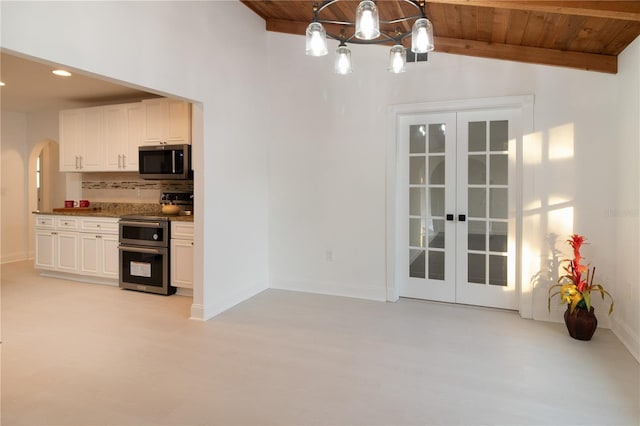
(62, 73)
(1, 83)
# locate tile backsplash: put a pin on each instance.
(127, 188)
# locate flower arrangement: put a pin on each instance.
(576, 285)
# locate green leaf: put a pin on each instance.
(587, 299)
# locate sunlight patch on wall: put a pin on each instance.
(561, 140)
(561, 221)
(558, 200)
(532, 148)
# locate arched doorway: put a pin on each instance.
(46, 185)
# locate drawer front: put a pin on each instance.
(67, 222)
(101, 225)
(45, 222)
(182, 230)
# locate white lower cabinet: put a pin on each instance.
(56, 244)
(67, 251)
(86, 246)
(99, 255)
(45, 249)
(181, 254)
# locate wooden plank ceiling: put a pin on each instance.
(587, 35)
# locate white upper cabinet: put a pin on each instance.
(167, 122)
(123, 130)
(107, 138)
(81, 139)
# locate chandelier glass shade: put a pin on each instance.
(316, 40)
(343, 60)
(422, 36)
(367, 21)
(397, 59)
(367, 29)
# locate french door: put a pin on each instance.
(456, 209)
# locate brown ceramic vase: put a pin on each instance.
(581, 324)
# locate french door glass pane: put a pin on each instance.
(477, 235)
(436, 170)
(416, 263)
(417, 201)
(476, 268)
(416, 170)
(499, 135)
(436, 233)
(498, 270)
(499, 168)
(436, 265)
(417, 139)
(477, 169)
(436, 138)
(416, 232)
(498, 237)
(477, 136)
(477, 202)
(498, 206)
(436, 202)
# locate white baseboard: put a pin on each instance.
(184, 291)
(332, 289)
(80, 278)
(13, 257)
(211, 311)
(197, 312)
(628, 337)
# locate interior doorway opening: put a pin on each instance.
(46, 186)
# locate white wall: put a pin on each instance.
(192, 50)
(626, 214)
(327, 163)
(13, 189)
(324, 139)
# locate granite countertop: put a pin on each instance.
(117, 210)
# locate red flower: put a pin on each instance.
(577, 269)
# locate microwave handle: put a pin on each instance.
(173, 161)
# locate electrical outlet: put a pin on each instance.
(328, 255)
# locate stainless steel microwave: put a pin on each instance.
(165, 162)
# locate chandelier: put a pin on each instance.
(366, 30)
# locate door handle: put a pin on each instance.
(450, 217)
(462, 217)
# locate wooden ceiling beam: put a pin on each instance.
(534, 55)
(620, 10)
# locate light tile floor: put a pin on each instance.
(84, 354)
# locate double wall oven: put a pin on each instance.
(145, 246)
(144, 254)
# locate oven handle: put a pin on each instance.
(140, 249)
(142, 224)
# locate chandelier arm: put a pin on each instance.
(327, 3)
(398, 20)
(352, 39)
